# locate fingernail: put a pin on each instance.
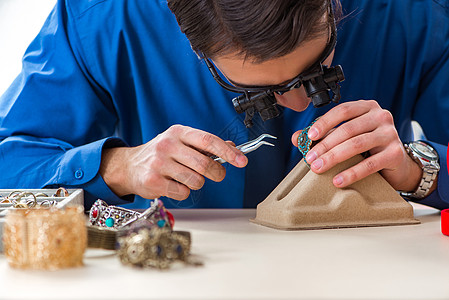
(311, 156)
(338, 180)
(317, 164)
(241, 160)
(313, 133)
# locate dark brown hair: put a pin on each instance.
(255, 29)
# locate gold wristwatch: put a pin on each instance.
(427, 158)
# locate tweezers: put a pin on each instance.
(249, 146)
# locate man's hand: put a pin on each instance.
(365, 126)
(172, 164)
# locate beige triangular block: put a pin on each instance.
(305, 200)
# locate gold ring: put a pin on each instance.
(59, 191)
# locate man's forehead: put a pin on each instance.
(244, 72)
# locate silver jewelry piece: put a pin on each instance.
(104, 215)
(427, 158)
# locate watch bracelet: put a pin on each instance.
(427, 179)
(423, 188)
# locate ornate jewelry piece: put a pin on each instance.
(45, 239)
(145, 245)
(104, 215)
(304, 142)
(142, 239)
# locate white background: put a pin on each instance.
(20, 22)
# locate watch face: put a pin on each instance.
(424, 150)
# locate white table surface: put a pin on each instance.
(243, 260)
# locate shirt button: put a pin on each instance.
(79, 174)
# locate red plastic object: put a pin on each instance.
(171, 219)
(445, 221)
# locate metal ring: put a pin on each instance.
(24, 195)
(20, 205)
(41, 195)
(30, 203)
(59, 191)
(6, 201)
(48, 203)
(14, 194)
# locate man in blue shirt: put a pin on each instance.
(106, 82)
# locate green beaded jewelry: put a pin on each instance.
(304, 142)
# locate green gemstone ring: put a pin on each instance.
(304, 142)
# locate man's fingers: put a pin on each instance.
(345, 132)
(200, 163)
(231, 143)
(185, 176)
(176, 190)
(210, 143)
(341, 152)
(341, 113)
(363, 169)
(155, 185)
(177, 161)
(295, 138)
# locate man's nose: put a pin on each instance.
(295, 94)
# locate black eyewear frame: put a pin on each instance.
(318, 80)
(279, 89)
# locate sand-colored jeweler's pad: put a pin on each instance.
(305, 200)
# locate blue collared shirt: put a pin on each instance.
(108, 73)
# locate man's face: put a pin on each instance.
(277, 71)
